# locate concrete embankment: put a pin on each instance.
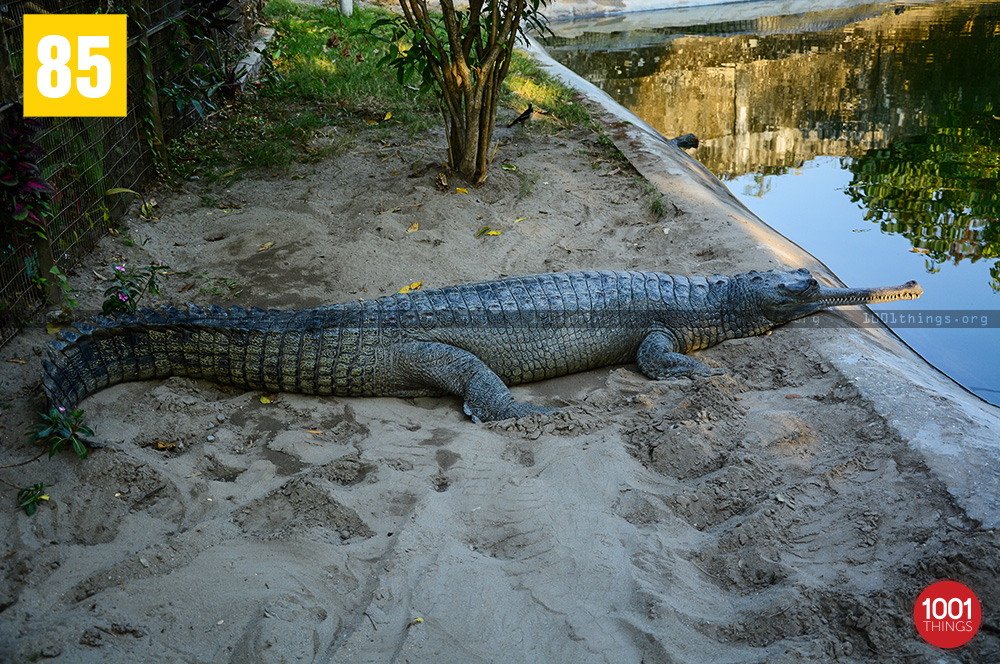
(955, 431)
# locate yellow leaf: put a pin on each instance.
(314, 431)
(492, 233)
(519, 219)
(920, 250)
(415, 226)
(265, 246)
(18, 361)
(388, 115)
(265, 399)
(461, 190)
(412, 287)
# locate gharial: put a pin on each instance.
(471, 340)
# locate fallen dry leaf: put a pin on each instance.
(265, 246)
(416, 285)
(415, 226)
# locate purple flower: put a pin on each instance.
(120, 268)
(122, 296)
(61, 409)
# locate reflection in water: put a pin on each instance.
(904, 98)
(939, 189)
(774, 98)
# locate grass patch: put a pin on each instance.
(323, 92)
(528, 83)
(320, 91)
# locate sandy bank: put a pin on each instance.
(789, 510)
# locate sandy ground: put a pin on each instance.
(769, 514)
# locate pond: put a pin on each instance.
(869, 135)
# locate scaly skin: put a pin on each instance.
(471, 340)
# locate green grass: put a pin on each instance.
(322, 74)
(323, 90)
(527, 82)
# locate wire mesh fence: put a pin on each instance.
(176, 51)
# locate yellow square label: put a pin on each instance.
(74, 65)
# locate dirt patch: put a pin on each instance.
(766, 514)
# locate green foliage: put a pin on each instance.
(321, 55)
(145, 210)
(464, 56)
(30, 497)
(941, 190)
(198, 84)
(218, 286)
(131, 284)
(25, 195)
(63, 283)
(322, 78)
(60, 428)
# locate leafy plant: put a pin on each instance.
(30, 497)
(465, 55)
(25, 199)
(145, 210)
(63, 284)
(131, 284)
(197, 83)
(61, 427)
(218, 286)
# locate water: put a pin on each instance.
(869, 135)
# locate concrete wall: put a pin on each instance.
(692, 11)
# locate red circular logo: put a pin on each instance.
(947, 614)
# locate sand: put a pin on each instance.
(783, 511)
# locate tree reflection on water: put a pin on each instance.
(941, 189)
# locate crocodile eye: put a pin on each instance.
(799, 286)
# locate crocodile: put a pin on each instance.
(471, 340)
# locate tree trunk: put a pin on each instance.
(468, 66)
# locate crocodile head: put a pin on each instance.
(785, 296)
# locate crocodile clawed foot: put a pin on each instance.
(513, 409)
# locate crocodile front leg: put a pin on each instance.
(450, 369)
(658, 358)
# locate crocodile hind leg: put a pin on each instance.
(419, 364)
(658, 358)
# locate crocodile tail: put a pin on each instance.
(225, 346)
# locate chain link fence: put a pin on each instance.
(179, 54)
